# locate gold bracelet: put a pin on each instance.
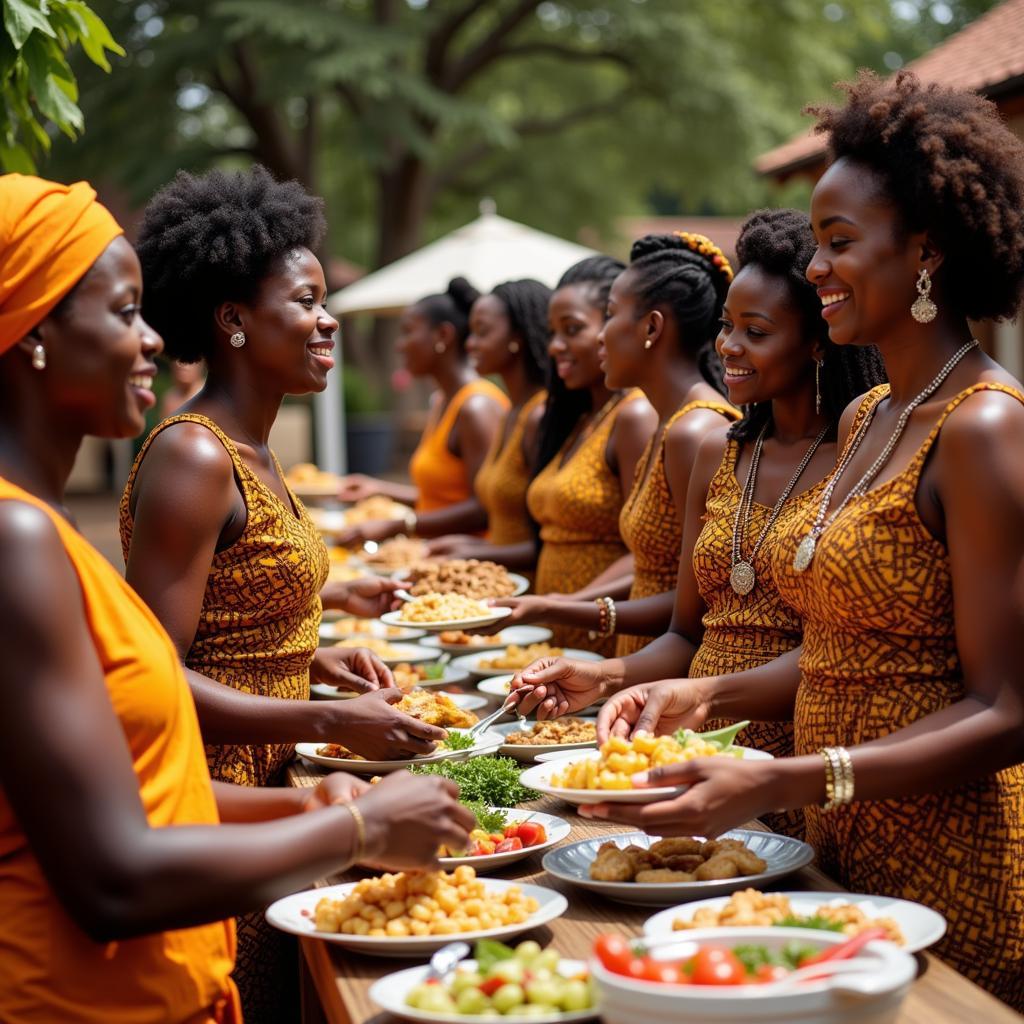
(838, 777)
(846, 775)
(357, 817)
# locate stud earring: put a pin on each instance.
(818, 364)
(39, 358)
(237, 339)
(924, 310)
(439, 347)
(648, 344)
(513, 347)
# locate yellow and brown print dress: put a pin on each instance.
(502, 480)
(649, 522)
(576, 502)
(879, 653)
(259, 623)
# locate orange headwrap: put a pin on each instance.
(50, 235)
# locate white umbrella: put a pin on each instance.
(487, 251)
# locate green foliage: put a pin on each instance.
(37, 85)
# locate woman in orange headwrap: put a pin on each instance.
(114, 890)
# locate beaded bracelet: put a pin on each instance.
(606, 618)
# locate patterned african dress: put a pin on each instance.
(880, 653)
(649, 522)
(744, 632)
(577, 502)
(260, 618)
(502, 480)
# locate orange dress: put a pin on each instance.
(260, 618)
(440, 477)
(577, 504)
(649, 523)
(880, 653)
(502, 480)
(50, 970)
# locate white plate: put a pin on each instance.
(539, 778)
(287, 914)
(522, 635)
(369, 627)
(556, 828)
(390, 991)
(571, 863)
(471, 662)
(466, 701)
(495, 615)
(530, 751)
(921, 926)
(498, 686)
(521, 584)
(486, 743)
(409, 654)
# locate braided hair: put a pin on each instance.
(781, 243)
(666, 271)
(564, 408)
(526, 305)
(451, 306)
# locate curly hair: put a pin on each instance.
(665, 271)
(215, 237)
(451, 306)
(526, 305)
(594, 276)
(953, 169)
(781, 243)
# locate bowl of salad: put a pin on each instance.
(750, 976)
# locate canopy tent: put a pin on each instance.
(487, 251)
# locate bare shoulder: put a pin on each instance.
(987, 426)
(635, 415)
(694, 453)
(190, 447)
(847, 418)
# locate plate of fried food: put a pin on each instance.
(349, 626)
(388, 652)
(470, 577)
(515, 657)
(910, 925)
(457, 641)
(414, 914)
(506, 834)
(525, 740)
(605, 775)
(440, 612)
(465, 701)
(636, 868)
(309, 481)
(394, 554)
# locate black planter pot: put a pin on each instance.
(370, 440)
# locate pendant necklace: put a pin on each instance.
(805, 549)
(742, 578)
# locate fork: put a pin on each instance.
(486, 723)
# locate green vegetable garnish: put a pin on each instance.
(459, 741)
(435, 671)
(721, 738)
(753, 957)
(487, 819)
(794, 953)
(814, 921)
(488, 952)
(491, 780)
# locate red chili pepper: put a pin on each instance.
(845, 950)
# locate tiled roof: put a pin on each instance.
(984, 55)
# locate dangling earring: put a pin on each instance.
(648, 344)
(924, 310)
(439, 347)
(818, 364)
(237, 339)
(513, 347)
(39, 358)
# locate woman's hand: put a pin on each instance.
(455, 545)
(409, 816)
(371, 727)
(350, 668)
(367, 598)
(358, 486)
(723, 793)
(659, 707)
(524, 609)
(336, 788)
(373, 529)
(552, 687)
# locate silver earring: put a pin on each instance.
(818, 364)
(924, 310)
(513, 347)
(439, 347)
(39, 358)
(648, 344)
(237, 339)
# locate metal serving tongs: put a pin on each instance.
(506, 708)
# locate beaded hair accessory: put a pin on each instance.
(703, 246)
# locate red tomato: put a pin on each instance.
(508, 845)
(614, 952)
(770, 972)
(636, 968)
(715, 965)
(531, 833)
(491, 986)
(512, 830)
(662, 971)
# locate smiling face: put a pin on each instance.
(415, 344)
(289, 334)
(575, 323)
(762, 342)
(622, 337)
(99, 351)
(489, 336)
(866, 265)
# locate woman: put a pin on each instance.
(507, 338)
(907, 696)
(114, 889)
(663, 315)
(592, 437)
(466, 413)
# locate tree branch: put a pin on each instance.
(543, 49)
(489, 48)
(440, 39)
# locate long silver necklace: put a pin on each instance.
(805, 549)
(742, 578)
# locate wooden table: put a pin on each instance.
(336, 982)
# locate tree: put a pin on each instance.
(38, 88)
